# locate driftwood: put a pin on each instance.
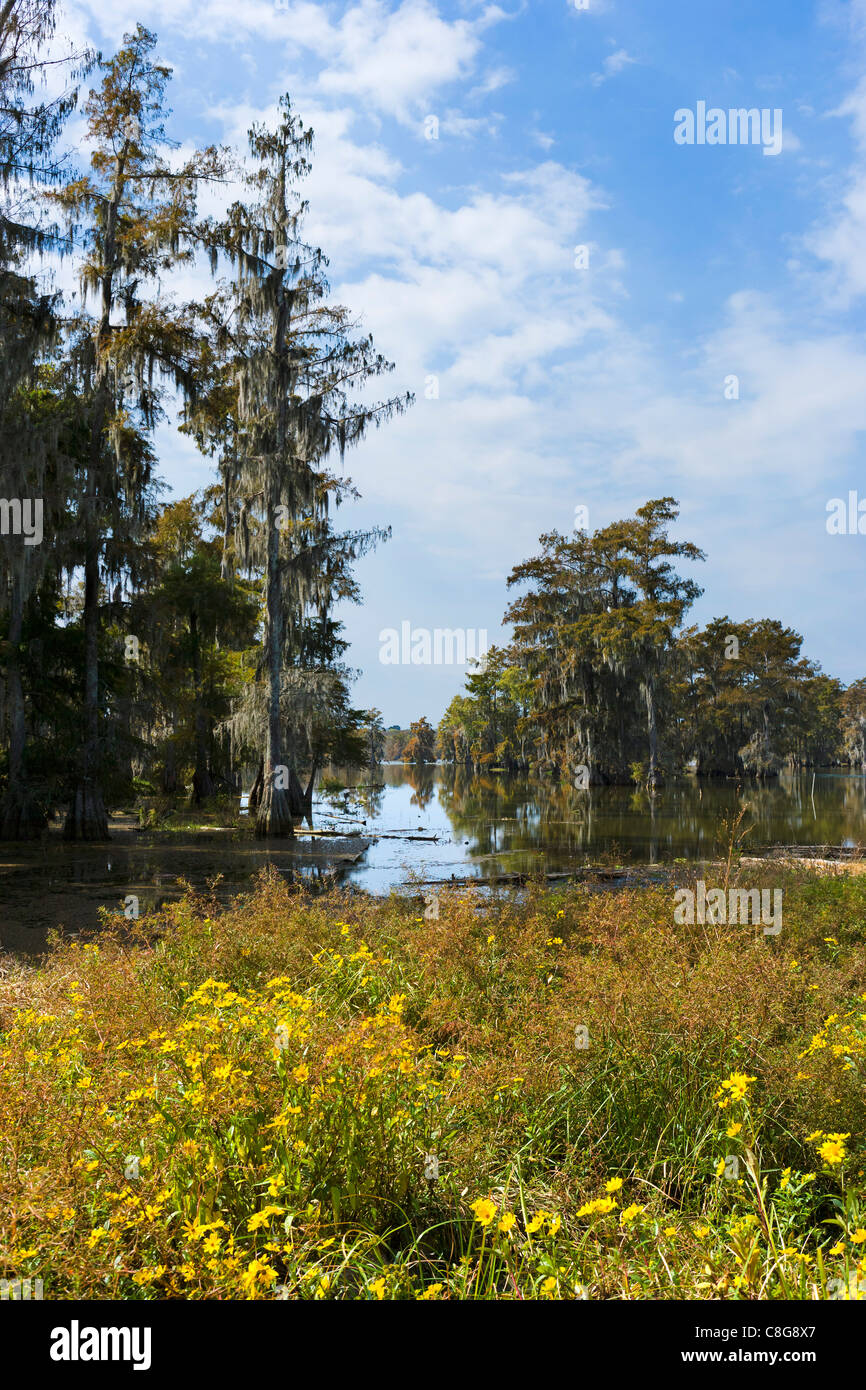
(851, 866)
(398, 835)
(834, 852)
(608, 875)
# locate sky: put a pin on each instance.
(706, 342)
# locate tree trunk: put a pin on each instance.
(169, 771)
(274, 816)
(21, 818)
(87, 819)
(202, 781)
(767, 760)
(225, 564)
(203, 785)
(654, 777)
(258, 784)
(297, 800)
(308, 794)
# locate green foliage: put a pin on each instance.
(602, 677)
(177, 643)
(421, 744)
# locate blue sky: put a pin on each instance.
(561, 386)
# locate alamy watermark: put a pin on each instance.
(737, 906)
(855, 1289)
(22, 516)
(737, 126)
(20, 1290)
(77, 1343)
(846, 518)
(444, 646)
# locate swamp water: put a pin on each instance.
(425, 826)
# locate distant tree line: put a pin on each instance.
(603, 681)
(417, 744)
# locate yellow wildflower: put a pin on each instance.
(629, 1213)
(484, 1210)
(262, 1218)
(832, 1151)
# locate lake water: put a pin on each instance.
(493, 825)
(424, 826)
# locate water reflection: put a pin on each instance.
(489, 824)
(430, 825)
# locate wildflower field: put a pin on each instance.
(561, 1097)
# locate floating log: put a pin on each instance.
(608, 875)
(397, 835)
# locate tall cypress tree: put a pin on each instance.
(136, 215)
(297, 364)
(29, 458)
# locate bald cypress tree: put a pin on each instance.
(297, 364)
(642, 633)
(135, 215)
(30, 460)
(595, 635)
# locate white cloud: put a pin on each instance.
(391, 61)
(613, 64)
(394, 61)
(840, 239)
(493, 81)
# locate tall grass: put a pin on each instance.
(565, 1096)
